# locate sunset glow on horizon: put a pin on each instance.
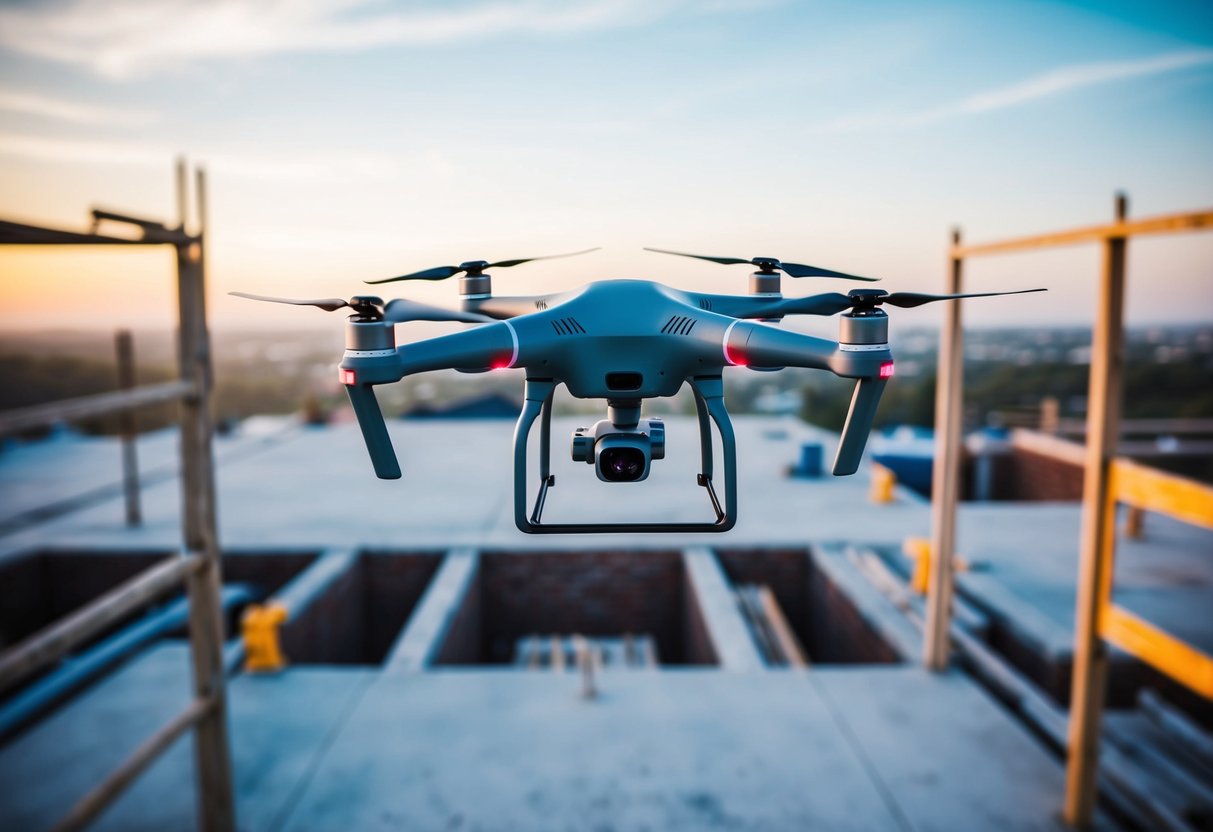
(348, 141)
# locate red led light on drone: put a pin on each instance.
(886, 369)
(734, 358)
(347, 377)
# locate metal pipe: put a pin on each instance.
(39, 696)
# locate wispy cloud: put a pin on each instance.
(120, 38)
(76, 112)
(1060, 81)
(328, 169)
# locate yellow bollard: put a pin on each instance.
(883, 482)
(918, 549)
(262, 652)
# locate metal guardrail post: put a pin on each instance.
(945, 481)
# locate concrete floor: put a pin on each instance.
(349, 748)
(838, 748)
(288, 487)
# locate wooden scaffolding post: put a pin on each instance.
(945, 482)
(1103, 429)
(216, 802)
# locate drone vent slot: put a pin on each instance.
(705, 304)
(678, 325)
(541, 304)
(567, 326)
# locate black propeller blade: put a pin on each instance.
(473, 267)
(394, 312)
(770, 265)
(401, 310)
(327, 304)
(834, 302)
(908, 300)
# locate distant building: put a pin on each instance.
(487, 406)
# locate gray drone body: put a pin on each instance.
(622, 341)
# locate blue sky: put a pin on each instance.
(349, 139)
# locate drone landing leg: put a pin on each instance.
(705, 438)
(539, 394)
(546, 479)
(710, 391)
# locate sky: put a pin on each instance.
(348, 140)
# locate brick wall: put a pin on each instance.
(592, 593)
(785, 571)
(360, 614)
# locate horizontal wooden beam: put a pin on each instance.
(82, 407)
(109, 789)
(21, 234)
(1180, 661)
(1159, 491)
(1169, 224)
(50, 644)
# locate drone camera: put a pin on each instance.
(620, 454)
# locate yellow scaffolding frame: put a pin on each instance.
(1182, 499)
(1096, 619)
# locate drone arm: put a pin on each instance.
(504, 308)
(481, 348)
(872, 365)
(489, 347)
(759, 345)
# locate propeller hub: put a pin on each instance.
(367, 308)
(474, 267)
(866, 298)
(766, 265)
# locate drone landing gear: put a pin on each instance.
(709, 405)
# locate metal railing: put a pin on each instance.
(1102, 434)
(197, 567)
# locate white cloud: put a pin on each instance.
(121, 38)
(1061, 81)
(30, 103)
(334, 168)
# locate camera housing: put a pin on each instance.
(620, 453)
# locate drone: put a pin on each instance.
(622, 341)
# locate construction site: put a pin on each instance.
(263, 636)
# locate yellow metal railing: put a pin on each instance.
(1149, 489)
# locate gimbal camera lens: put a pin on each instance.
(622, 464)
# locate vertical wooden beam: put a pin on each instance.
(127, 429)
(216, 803)
(1103, 426)
(945, 481)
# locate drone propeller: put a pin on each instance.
(394, 312)
(834, 302)
(769, 265)
(473, 267)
